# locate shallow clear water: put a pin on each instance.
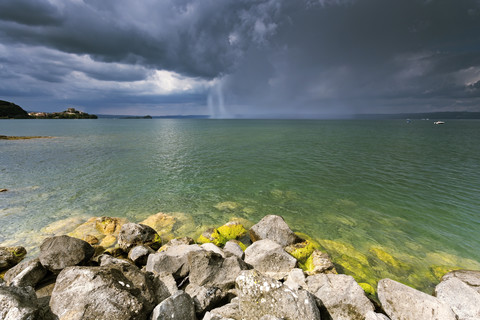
(410, 190)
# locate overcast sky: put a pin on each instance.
(283, 58)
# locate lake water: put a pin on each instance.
(384, 198)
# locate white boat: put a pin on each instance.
(439, 122)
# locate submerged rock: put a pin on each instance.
(10, 256)
(162, 223)
(269, 258)
(274, 228)
(18, 303)
(104, 229)
(57, 253)
(133, 234)
(262, 296)
(228, 206)
(341, 297)
(402, 302)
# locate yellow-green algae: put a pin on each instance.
(232, 230)
(212, 236)
(301, 251)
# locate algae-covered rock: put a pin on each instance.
(232, 230)
(212, 235)
(228, 206)
(161, 222)
(301, 251)
(318, 262)
(369, 289)
(60, 227)
(104, 229)
(10, 256)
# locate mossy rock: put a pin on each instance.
(337, 248)
(232, 230)
(212, 236)
(301, 251)
(161, 222)
(241, 244)
(385, 257)
(368, 288)
(228, 206)
(318, 262)
(109, 226)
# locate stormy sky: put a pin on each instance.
(225, 58)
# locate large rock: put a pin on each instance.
(179, 306)
(18, 303)
(139, 255)
(57, 253)
(97, 293)
(133, 234)
(402, 302)
(463, 299)
(10, 256)
(212, 270)
(269, 258)
(205, 298)
(274, 228)
(469, 277)
(26, 274)
(261, 296)
(173, 260)
(232, 248)
(341, 297)
(229, 311)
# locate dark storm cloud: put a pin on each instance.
(258, 57)
(196, 38)
(364, 56)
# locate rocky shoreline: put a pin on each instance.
(108, 268)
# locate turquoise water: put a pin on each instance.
(410, 190)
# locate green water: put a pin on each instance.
(367, 187)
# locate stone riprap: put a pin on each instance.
(221, 277)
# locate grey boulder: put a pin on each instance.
(179, 306)
(463, 299)
(134, 234)
(340, 296)
(270, 258)
(403, 302)
(57, 253)
(273, 227)
(469, 277)
(205, 298)
(260, 296)
(97, 293)
(18, 303)
(174, 260)
(212, 270)
(232, 248)
(139, 255)
(26, 274)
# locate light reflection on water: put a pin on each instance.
(411, 190)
